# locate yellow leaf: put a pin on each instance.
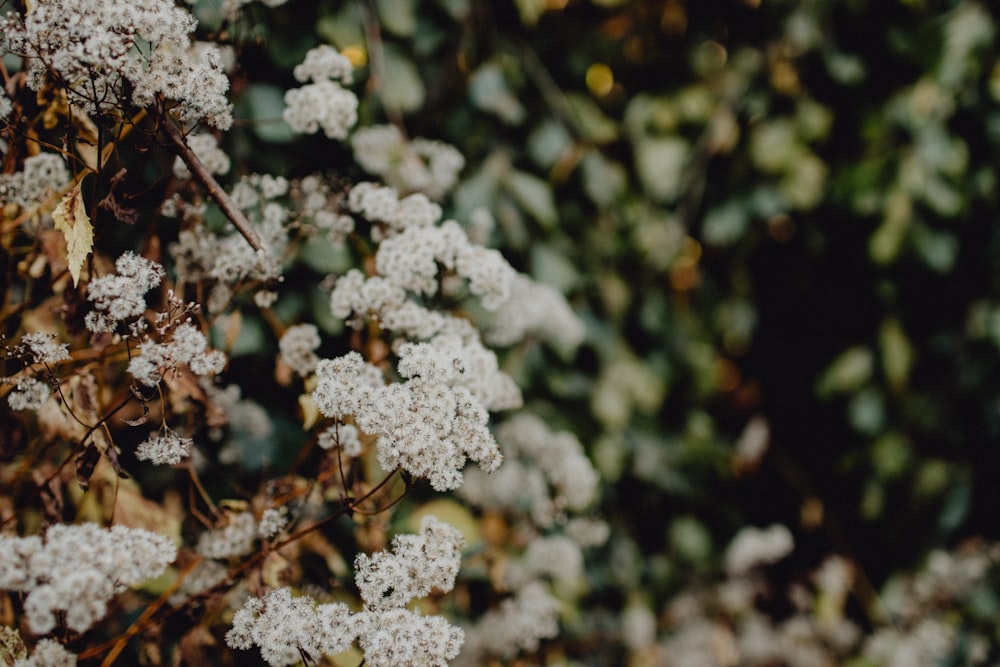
(71, 219)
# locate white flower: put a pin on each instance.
(236, 538)
(29, 394)
(321, 105)
(76, 569)
(44, 348)
(755, 546)
(164, 448)
(48, 653)
(206, 148)
(122, 297)
(297, 347)
(323, 63)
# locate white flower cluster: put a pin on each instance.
(298, 348)
(48, 653)
(323, 103)
(382, 204)
(236, 538)
(76, 569)
(285, 628)
(122, 297)
(420, 165)
(429, 425)
(545, 473)
(519, 623)
(186, 345)
(206, 149)
(29, 393)
(200, 255)
(164, 448)
(535, 309)
(44, 349)
(345, 436)
(42, 177)
(92, 47)
(757, 546)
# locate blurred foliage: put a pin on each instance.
(778, 220)
(777, 213)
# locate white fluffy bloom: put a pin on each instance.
(323, 105)
(185, 345)
(421, 165)
(76, 569)
(48, 653)
(547, 472)
(388, 633)
(324, 63)
(272, 521)
(755, 546)
(44, 348)
(236, 538)
(298, 348)
(534, 309)
(206, 148)
(519, 623)
(41, 178)
(416, 565)
(164, 448)
(91, 48)
(282, 626)
(429, 425)
(29, 394)
(122, 297)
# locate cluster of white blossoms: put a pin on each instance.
(73, 572)
(184, 345)
(227, 260)
(236, 538)
(298, 348)
(758, 546)
(420, 165)
(41, 179)
(122, 297)
(430, 425)
(206, 149)
(48, 653)
(545, 473)
(518, 624)
(534, 309)
(324, 103)
(287, 628)
(93, 49)
(29, 393)
(165, 447)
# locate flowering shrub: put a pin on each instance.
(442, 332)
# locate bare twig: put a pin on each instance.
(215, 190)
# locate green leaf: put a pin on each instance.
(660, 163)
(534, 195)
(848, 372)
(264, 104)
(489, 91)
(402, 88)
(397, 16)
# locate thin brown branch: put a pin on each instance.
(215, 190)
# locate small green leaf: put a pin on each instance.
(534, 195)
(402, 88)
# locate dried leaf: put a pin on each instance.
(71, 219)
(85, 464)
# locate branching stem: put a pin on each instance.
(215, 191)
